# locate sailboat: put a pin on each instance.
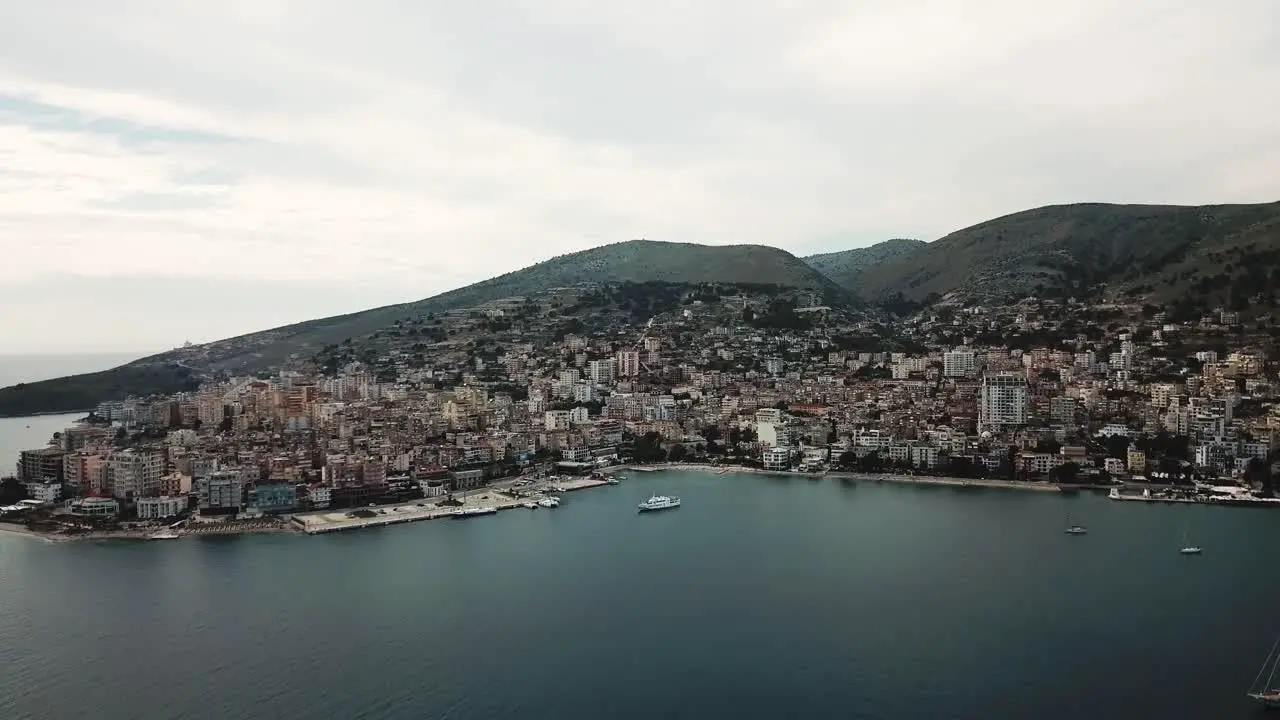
(1266, 693)
(1074, 529)
(1187, 548)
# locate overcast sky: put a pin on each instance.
(176, 170)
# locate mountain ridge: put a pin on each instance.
(1089, 248)
(1189, 257)
(846, 267)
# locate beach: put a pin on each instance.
(865, 477)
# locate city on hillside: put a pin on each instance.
(1046, 393)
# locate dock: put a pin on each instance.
(317, 523)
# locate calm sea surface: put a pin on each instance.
(31, 368)
(760, 598)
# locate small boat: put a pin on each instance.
(612, 480)
(164, 535)
(550, 501)
(531, 505)
(659, 502)
(1075, 529)
(1188, 548)
(473, 512)
(1265, 693)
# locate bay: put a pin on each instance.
(760, 597)
(24, 433)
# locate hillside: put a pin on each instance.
(846, 268)
(83, 392)
(636, 261)
(1198, 256)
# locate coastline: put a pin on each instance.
(327, 521)
(207, 530)
(866, 477)
(44, 413)
(23, 531)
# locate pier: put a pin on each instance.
(490, 498)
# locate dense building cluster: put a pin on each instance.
(1037, 391)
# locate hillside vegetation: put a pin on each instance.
(1194, 255)
(83, 392)
(847, 267)
(637, 261)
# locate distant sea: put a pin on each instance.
(761, 597)
(31, 368)
(18, 434)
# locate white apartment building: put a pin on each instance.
(46, 493)
(134, 473)
(777, 459)
(557, 419)
(159, 508)
(773, 416)
(1004, 402)
(960, 364)
(602, 371)
(628, 363)
(222, 490)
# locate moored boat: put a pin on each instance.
(659, 502)
(1075, 529)
(1264, 692)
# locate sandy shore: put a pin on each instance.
(143, 534)
(864, 477)
(11, 529)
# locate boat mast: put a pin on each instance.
(1271, 660)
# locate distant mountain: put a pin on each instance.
(1192, 256)
(633, 261)
(846, 268)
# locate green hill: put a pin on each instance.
(1195, 255)
(634, 261)
(847, 267)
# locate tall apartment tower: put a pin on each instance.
(1004, 402)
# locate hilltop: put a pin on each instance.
(636, 261)
(847, 267)
(1196, 257)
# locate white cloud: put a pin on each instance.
(412, 147)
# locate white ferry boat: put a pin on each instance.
(659, 502)
(549, 502)
(472, 512)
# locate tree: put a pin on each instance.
(677, 454)
(1048, 446)
(1258, 472)
(11, 491)
(1117, 446)
(225, 425)
(962, 466)
(871, 462)
(649, 448)
(1067, 472)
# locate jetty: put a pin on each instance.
(316, 523)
